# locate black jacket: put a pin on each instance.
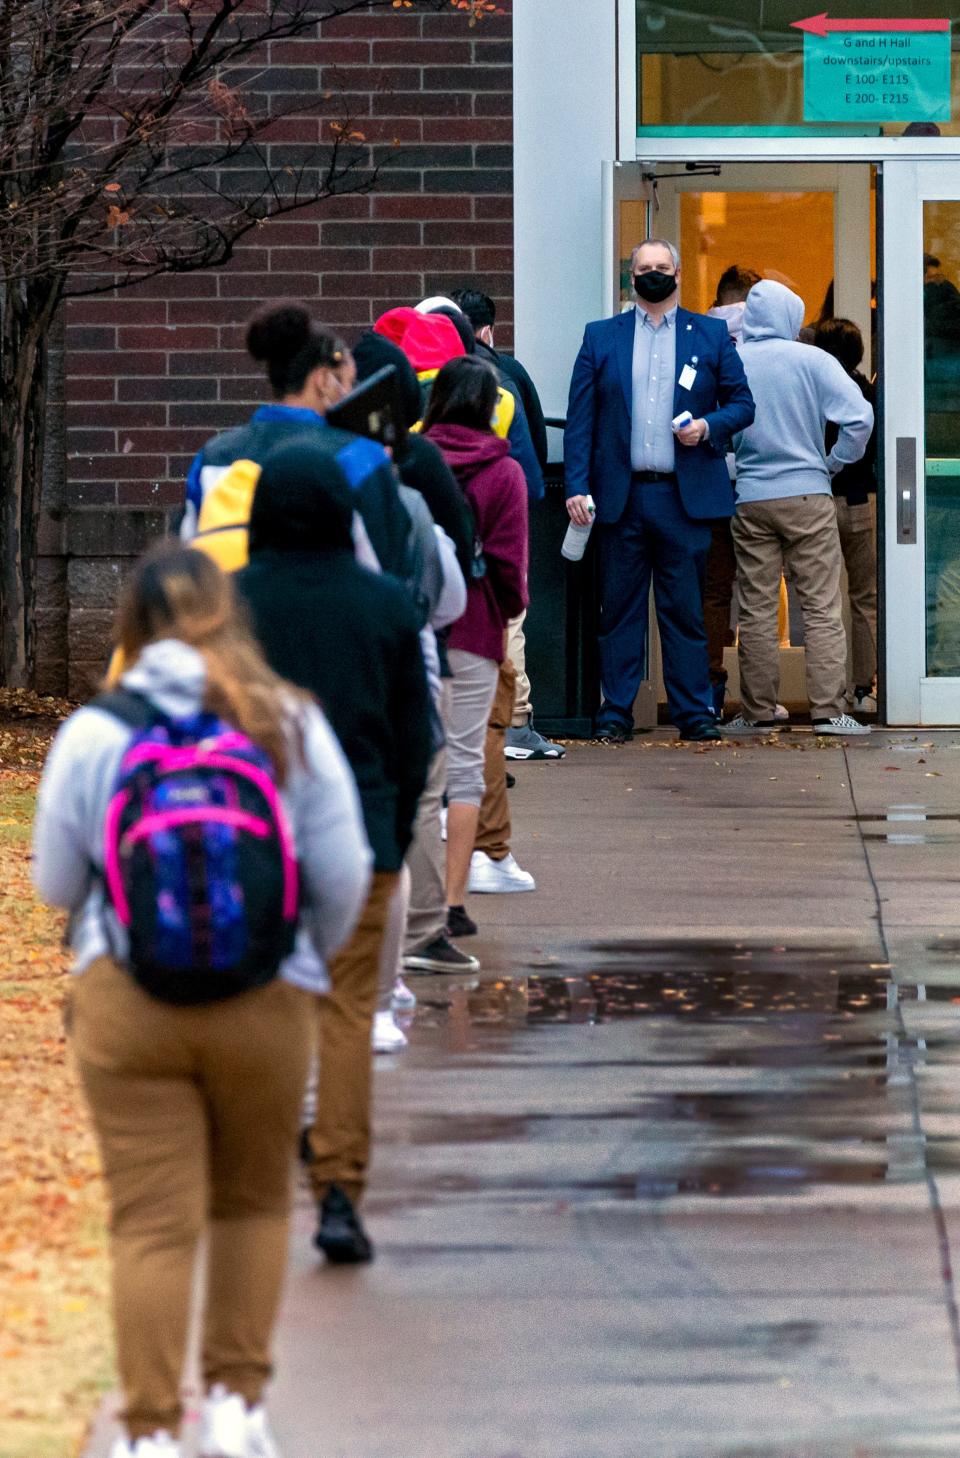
(345, 634)
(527, 391)
(858, 481)
(421, 466)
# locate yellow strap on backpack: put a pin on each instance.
(222, 527)
(503, 415)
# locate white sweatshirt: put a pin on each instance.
(320, 797)
(797, 389)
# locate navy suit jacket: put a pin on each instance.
(597, 436)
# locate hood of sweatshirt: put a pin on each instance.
(171, 675)
(467, 451)
(772, 312)
(428, 340)
(435, 301)
(303, 501)
(373, 352)
(732, 315)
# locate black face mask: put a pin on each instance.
(655, 286)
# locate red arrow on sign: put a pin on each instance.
(822, 24)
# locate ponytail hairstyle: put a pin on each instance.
(464, 393)
(179, 592)
(292, 345)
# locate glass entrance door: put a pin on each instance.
(810, 225)
(920, 296)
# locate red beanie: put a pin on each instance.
(428, 340)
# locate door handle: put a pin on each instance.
(906, 489)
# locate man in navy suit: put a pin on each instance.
(656, 489)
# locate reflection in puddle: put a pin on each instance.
(910, 822)
(725, 1069)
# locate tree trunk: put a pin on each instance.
(24, 320)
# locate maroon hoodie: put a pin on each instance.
(496, 489)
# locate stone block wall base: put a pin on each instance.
(88, 557)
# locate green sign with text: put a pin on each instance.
(854, 75)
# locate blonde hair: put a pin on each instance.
(177, 592)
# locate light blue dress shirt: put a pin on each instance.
(654, 377)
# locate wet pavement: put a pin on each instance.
(677, 1175)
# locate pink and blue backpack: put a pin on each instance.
(199, 860)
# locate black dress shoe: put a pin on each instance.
(707, 732)
(614, 733)
(341, 1235)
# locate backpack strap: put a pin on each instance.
(130, 708)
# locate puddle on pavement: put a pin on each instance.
(911, 825)
(721, 1068)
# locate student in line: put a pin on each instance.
(350, 637)
(196, 1104)
(309, 369)
(426, 947)
(459, 420)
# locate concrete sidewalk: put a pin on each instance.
(679, 1177)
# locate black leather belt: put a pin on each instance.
(653, 475)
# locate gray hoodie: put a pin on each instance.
(797, 389)
(320, 797)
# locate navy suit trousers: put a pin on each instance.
(654, 537)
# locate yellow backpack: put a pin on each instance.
(222, 529)
(224, 520)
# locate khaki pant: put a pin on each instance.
(197, 1112)
(340, 1137)
(858, 542)
(798, 533)
(517, 653)
(493, 830)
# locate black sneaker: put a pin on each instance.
(441, 955)
(704, 732)
(459, 923)
(613, 733)
(341, 1235)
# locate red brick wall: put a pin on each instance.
(152, 372)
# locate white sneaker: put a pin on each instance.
(223, 1432)
(842, 724)
(260, 1441)
(865, 703)
(402, 999)
(781, 713)
(490, 875)
(229, 1429)
(443, 822)
(387, 1037)
(161, 1445)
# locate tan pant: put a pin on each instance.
(858, 542)
(340, 1137)
(493, 830)
(799, 533)
(197, 1112)
(517, 653)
